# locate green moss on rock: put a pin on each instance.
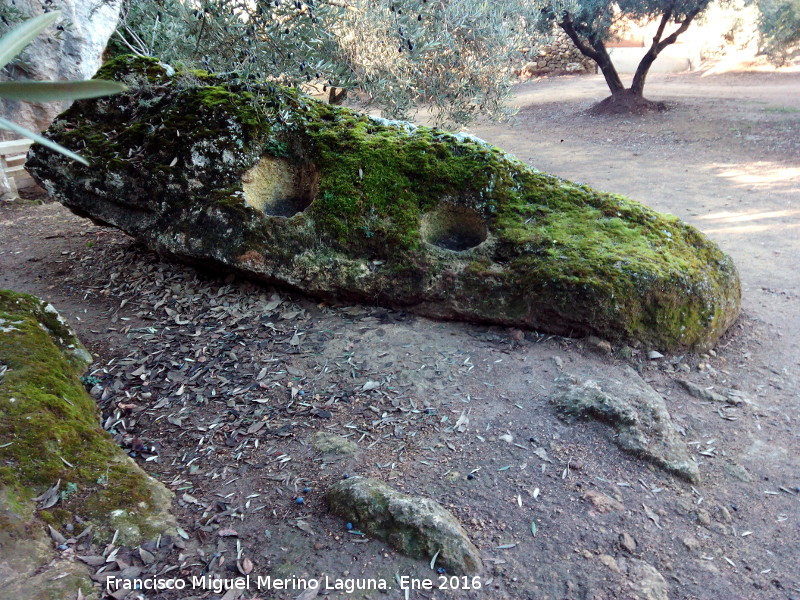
(262, 180)
(50, 431)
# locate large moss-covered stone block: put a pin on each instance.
(50, 432)
(264, 181)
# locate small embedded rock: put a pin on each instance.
(645, 578)
(627, 542)
(416, 526)
(602, 503)
(638, 414)
(703, 516)
(725, 515)
(599, 344)
(330, 443)
(691, 543)
(516, 334)
(702, 393)
(610, 562)
(737, 471)
(625, 352)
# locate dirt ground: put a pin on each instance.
(229, 381)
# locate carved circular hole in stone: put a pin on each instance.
(279, 188)
(455, 228)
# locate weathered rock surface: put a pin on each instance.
(332, 444)
(290, 190)
(418, 527)
(6, 191)
(702, 393)
(51, 431)
(637, 413)
(28, 566)
(75, 53)
(645, 580)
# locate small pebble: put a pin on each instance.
(62, 547)
(627, 542)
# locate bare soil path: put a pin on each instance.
(229, 381)
(725, 159)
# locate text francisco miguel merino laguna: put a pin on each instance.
(347, 585)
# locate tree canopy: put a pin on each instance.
(456, 56)
(779, 26)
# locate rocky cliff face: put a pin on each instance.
(263, 181)
(75, 53)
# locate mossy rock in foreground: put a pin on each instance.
(264, 181)
(50, 431)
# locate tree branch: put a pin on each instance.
(136, 51)
(661, 26)
(569, 28)
(658, 44)
(671, 38)
(596, 50)
(340, 4)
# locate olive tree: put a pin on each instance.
(779, 25)
(456, 56)
(591, 24)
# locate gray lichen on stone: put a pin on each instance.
(332, 444)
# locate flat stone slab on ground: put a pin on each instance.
(637, 413)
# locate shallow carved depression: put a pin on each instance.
(453, 227)
(278, 188)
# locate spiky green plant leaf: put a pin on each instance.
(11, 45)
(54, 91)
(6, 124)
(21, 35)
